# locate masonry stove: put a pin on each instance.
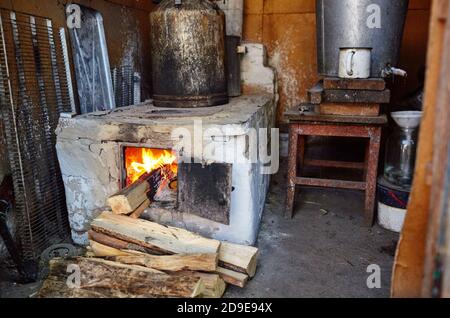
(213, 193)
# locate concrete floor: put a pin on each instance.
(323, 252)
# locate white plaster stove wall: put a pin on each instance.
(89, 148)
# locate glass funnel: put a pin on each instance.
(401, 149)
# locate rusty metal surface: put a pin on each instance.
(298, 131)
(338, 184)
(370, 84)
(188, 54)
(171, 101)
(334, 164)
(205, 191)
(295, 115)
(33, 92)
(318, 94)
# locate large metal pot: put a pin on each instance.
(188, 54)
(372, 24)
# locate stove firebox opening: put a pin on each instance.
(139, 160)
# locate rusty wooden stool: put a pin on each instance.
(312, 124)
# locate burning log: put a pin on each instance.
(138, 212)
(132, 198)
(104, 278)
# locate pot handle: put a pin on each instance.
(350, 56)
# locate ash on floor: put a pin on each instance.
(323, 252)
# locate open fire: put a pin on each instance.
(145, 160)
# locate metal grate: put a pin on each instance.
(33, 92)
(127, 86)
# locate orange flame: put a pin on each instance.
(145, 160)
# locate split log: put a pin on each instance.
(238, 258)
(232, 277)
(131, 198)
(215, 286)
(235, 278)
(122, 245)
(172, 263)
(101, 250)
(120, 280)
(168, 240)
(154, 236)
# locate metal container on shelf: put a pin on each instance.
(188, 54)
(374, 24)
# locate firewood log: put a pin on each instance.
(120, 280)
(152, 235)
(238, 258)
(100, 250)
(122, 245)
(173, 263)
(132, 197)
(170, 240)
(232, 277)
(215, 286)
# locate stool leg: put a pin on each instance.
(292, 170)
(301, 151)
(371, 176)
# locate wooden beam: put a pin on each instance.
(437, 248)
(409, 264)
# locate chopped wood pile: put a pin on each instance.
(130, 258)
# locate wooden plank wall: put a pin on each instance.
(410, 260)
(288, 29)
(437, 257)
